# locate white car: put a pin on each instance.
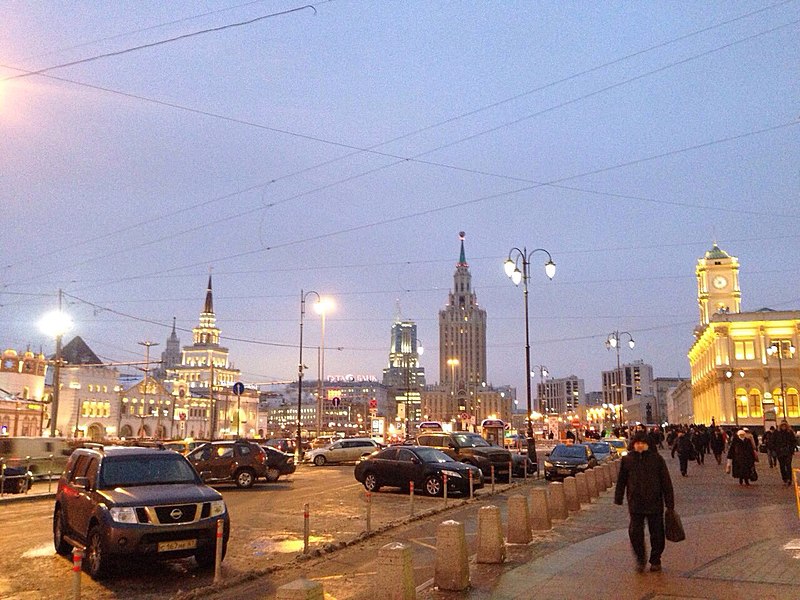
(345, 450)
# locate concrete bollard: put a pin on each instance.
(558, 501)
(571, 494)
(617, 466)
(491, 547)
(395, 577)
(591, 482)
(519, 520)
(452, 561)
(583, 488)
(301, 589)
(607, 475)
(540, 510)
(613, 471)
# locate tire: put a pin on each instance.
(320, 460)
(272, 474)
(245, 478)
(96, 561)
(61, 545)
(433, 485)
(371, 483)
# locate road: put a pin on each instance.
(267, 530)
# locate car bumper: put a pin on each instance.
(164, 541)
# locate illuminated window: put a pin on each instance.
(792, 406)
(741, 402)
(745, 350)
(755, 403)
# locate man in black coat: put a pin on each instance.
(645, 481)
(784, 442)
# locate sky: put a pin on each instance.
(342, 146)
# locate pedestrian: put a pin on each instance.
(685, 449)
(644, 480)
(741, 458)
(769, 446)
(784, 441)
(718, 444)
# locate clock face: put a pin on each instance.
(720, 282)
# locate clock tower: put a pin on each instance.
(717, 284)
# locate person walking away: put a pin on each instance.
(718, 444)
(684, 449)
(785, 441)
(769, 443)
(742, 458)
(644, 480)
(700, 444)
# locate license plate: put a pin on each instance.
(562, 471)
(177, 545)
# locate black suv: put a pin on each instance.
(130, 501)
(469, 448)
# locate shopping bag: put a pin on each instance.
(753, 474)
(673, 528)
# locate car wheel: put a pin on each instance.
(371, 482)
(61, 545)
(272, 474)
(319, 460)
(245, 478)
(433, 485)
(96, 559)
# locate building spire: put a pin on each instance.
(173, 326)
(209, 306)
(462, 259)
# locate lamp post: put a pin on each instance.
(453, 363)
(322, 307)
(300, 367)
(147, 345)
(511, 266)
(777, 348)
(56, 324)
(729, 375)
(543, 372)
(613, 341)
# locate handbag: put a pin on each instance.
(753, 474)
(673, 527)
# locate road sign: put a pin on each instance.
(238, 388)
(373, 403)
(336, 401)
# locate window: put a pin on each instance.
(741, 402)
(755, 403)
(792, 406)
(744, 350)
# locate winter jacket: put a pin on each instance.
(684, 447)
(784, 441)
(743, 457)
(645, 481)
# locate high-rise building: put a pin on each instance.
(561, 395)
(404, 377)
(462, 342)
(171, 357)
(631, 387)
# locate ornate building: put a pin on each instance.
(22, 393)
(744, 367)
(404, 377)
(462, 345)
(171, 357)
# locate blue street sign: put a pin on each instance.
(238, 388)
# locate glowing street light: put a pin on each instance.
(613, 341)
(56, 324)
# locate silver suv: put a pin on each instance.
(346, 450)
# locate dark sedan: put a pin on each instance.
(602, 451)
(396, 466)
(522, 463)
(568, 459)
(17, 480)
(278, 463)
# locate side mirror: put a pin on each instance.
(82, 482)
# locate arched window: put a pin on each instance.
(741, 403)
(777, 398)
(755, 403)
(792, 406)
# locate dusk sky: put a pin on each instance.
(342, 148)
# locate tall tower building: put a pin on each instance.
(171, 357)
(462, 341)
(717, 284)
(404, 377)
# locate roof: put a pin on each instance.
(78, 353)
(716, 252)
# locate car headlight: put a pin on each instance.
(548, 464)
(217, 508)
(124, 514)
(452, 474)
(583, 466)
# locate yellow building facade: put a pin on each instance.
(745, 367)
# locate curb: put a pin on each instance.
(11, 498)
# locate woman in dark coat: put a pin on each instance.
(742, 457)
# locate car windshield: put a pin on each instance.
(153, 469)
(617, 443)
(432, 455)
(568, 452)
(470, 439)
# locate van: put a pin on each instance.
(42, 455)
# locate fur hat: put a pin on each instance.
(640, 436)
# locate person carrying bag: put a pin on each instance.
(673, 527)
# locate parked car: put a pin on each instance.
(469, 448)
(346, 450)
(278, 463)
(17, 480)
(396, 466)
(602, 451)
(282, 444)
(183, 446)
(619, 446)
(523, 463)
(239, 461)
(568, 459)
(324, 440)
(132, 502)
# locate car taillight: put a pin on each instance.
(262, 458)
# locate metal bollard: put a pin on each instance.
(444, 488)
(411, 497)
(492, 470)
(525, 476)
(305, 528)
(369, 512)
(510, 469)
(2, 477)
(50, 474)
(77, 562)
(471, 491)
(218, 558)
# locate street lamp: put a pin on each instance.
(729, 375)
(511, 266)
(613, 341)
(147, 345)
(542, 374)
(778, 348)
(453, 363)
(300, 367)
(56, 324)
(321, 308)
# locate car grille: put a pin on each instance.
(172, 514)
